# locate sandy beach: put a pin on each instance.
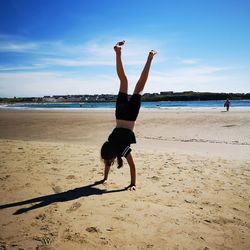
(193, 181)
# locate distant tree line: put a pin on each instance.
(195, 96)
(162, 96)
(21, 100)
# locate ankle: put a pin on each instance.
(117, 50)
(151, 54)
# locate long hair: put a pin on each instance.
(119, 162)
(109, 153)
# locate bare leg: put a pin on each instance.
(120, 71)
(144, 75)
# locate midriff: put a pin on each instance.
(125, 124)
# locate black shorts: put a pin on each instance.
(127, 109)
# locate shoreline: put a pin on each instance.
(208, 132)
(155, 105)
(112, 109)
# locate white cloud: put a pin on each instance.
(91, 61)
(187, 61)
(98, 52)
(21, 67)
(199, 70)
(18, 47)
(199, 78)
(90, 53)
(214, 79)
(10, 43)
(184, 73)
(76, 62)
(51, 83)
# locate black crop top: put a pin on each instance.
(122, 138)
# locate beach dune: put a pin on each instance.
(193, 177)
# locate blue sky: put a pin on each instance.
(50, 47)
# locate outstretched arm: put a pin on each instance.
(106, 173)
(132, 172)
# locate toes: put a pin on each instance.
(120, 43)
(153, 52)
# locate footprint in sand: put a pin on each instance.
(124, 206)
(93, 230)
(44, 240)
(57, 189)
(119, 218)
(70, 177)
(3, 245)
(45, 228)
(75, 237)
(4, 178)
(74, 207)
(154, 178)
(41, 217)
(190, 201)
(110, 229)
(229, 125)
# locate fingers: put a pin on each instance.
(104, 182)
(131, 187)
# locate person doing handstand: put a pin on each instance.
(127, 110)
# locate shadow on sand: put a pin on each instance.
(60, 197)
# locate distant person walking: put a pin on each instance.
(127, 110)
(227, 104)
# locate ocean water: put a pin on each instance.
(111, 105)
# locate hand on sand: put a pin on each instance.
(103, 181)
(131, 187)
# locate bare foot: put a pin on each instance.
(121, 43)
(152, 53)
